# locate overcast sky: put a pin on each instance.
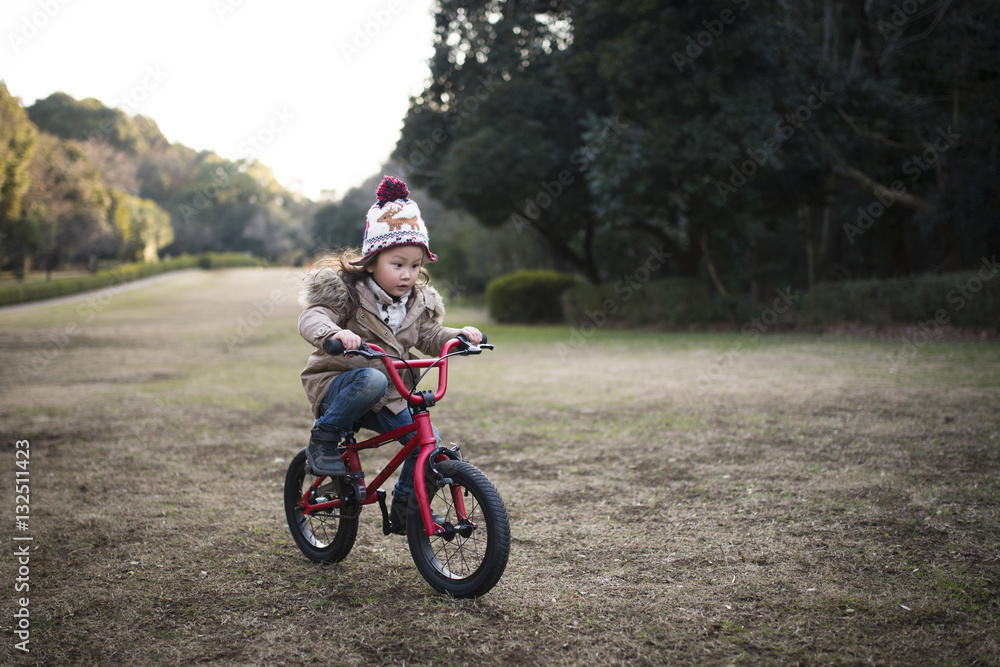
(315, 89)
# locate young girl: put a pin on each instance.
(382, 297)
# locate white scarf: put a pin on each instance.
(393, 309)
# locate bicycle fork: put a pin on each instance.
(425, 461)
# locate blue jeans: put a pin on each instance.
(350, 398)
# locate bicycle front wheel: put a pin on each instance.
(469, 559)
(324, 536)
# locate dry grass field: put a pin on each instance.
(675, 498)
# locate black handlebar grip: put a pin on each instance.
(333, 347)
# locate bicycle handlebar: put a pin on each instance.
(334, 347)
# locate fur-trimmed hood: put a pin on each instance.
(324, 287)
(327, 309)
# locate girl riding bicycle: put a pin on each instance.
(380, 295)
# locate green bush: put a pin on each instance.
(231, 260)
(125, 273)
(672, 302)
(527, 296)
(962, 299)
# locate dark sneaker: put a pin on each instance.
(323, 455)
(397, 516)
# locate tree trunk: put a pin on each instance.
(711, 267)
(825, 236)
(863, 47)
(829, 53)
(753, 266)
(904, 198)
(805, 215)
(584, 264)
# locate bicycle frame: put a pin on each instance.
(423, 439)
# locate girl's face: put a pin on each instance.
(396, 269)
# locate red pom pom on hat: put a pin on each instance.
(391, 189)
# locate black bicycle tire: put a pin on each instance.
(487, 511)
(303, 532)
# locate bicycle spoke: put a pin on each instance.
(324, 535)
(462, 555)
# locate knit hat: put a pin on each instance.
(394, 220)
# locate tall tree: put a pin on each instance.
(18, 136)
(496, 132)
(68, 203)
(143, 227)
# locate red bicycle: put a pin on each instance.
(457, 526)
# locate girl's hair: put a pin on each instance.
(352, 274)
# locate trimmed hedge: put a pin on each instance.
(125, 273)
(527, 296)
(962, 299)
(666, 302)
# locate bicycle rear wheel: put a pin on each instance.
(323, 536)
(471, 557)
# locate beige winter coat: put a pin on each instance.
(328, 310)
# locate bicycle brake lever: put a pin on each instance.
(366, 352)
(467, 347)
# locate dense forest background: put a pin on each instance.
(762, 144)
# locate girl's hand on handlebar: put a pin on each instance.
(351, 340)
(474, 335)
